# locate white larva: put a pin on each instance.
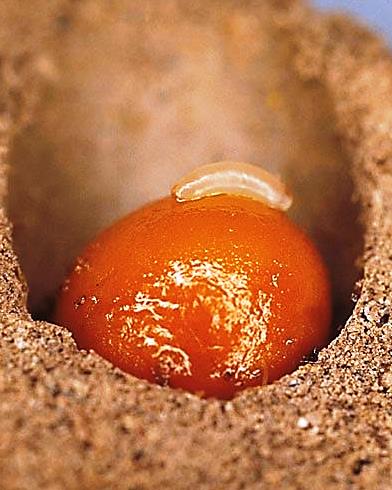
(234, 178)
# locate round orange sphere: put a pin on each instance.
(211, 296)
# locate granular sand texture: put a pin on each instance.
(68, 419)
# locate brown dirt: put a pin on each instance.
(68, 419)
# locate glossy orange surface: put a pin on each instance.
(211, 296)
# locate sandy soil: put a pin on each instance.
(68, 419)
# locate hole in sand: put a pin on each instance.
(123, 117)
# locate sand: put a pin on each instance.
(68, 419)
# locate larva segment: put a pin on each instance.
(234, 178)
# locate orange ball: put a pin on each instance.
(211, 296)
